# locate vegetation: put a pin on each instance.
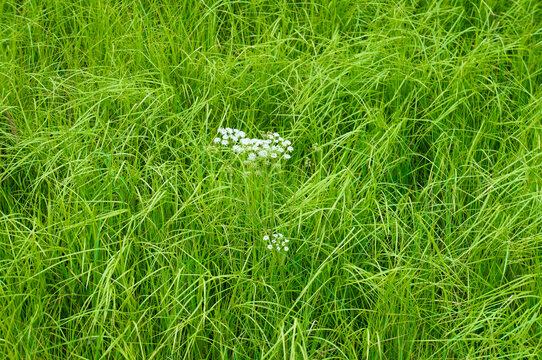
(412, 200)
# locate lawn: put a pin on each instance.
(152, 151)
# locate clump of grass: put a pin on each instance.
(416, 214)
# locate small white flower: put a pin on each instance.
(280, 235)
(271, 145)
(286, 248)
(275, 235)
(286, 241)
(278, 248)
(266, 237)
(274, 241)
(270, 247)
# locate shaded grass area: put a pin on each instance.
(412, 200)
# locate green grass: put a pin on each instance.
(413, 199)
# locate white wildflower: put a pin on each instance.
(276, 241)
(271, 146)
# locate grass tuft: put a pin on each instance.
(412, 199)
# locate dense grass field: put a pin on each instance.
(412, 199)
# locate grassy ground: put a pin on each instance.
(412, 201)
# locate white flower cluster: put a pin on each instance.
(276, 241)
(274, 147)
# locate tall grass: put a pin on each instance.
(412, 200)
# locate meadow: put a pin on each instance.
(411, 199)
